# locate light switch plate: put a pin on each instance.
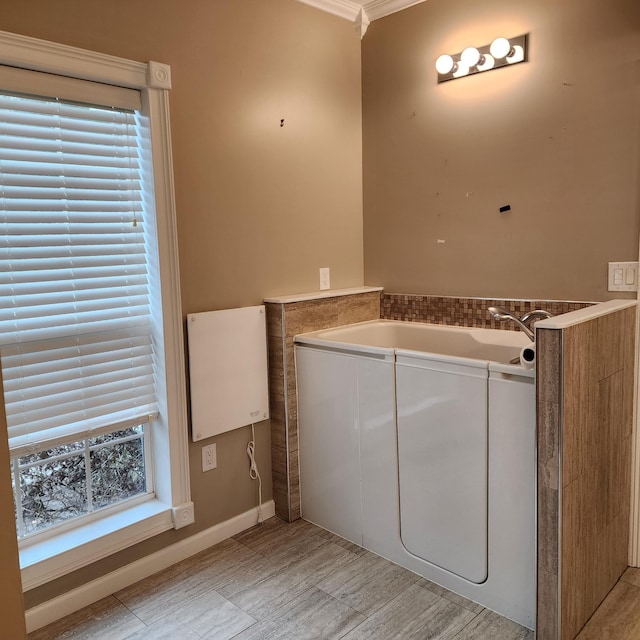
(325, 278)
(623, 276)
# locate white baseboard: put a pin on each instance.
(52, 610)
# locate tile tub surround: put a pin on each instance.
(465, 312)
(584, 415)
(287, 317)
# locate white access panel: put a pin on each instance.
(442, 460)
(329, 440)
(227, 370)
(512, 491)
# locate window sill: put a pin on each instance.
(58, 555)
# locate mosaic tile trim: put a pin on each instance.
(465, 312)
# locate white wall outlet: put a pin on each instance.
(325, 281)
(623, 276)
(209, 457)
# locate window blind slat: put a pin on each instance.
(50, 329)
(97, 143)
(73, 307)
(69, 206)
(15, 170)
(67, 278)
(75, 422)
(31, 303)
(65, 192)
(75, 325)
(117, 181)
(59, 392)
(49, 353)
(87, 252)
(41, 373)
(83, 272)
(56, 240)
(75, 165)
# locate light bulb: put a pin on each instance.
(461, 70)
(470, 56)
(486, 63)
(500, 48)
(444, 64)
(516, 55)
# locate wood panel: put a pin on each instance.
(596, 463)
(585, 407)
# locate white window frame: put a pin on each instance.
(55, 556)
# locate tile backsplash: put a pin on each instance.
(468, 312)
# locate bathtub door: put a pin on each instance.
(329, 441)
(442, 461)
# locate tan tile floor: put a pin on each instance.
(286, 581)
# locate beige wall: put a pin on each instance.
(260, 207)
(557, 138)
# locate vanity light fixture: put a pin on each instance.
(502, 52)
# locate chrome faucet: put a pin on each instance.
(498, 313)
(536, 313)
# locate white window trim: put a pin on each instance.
(172, 508)
(60, 554)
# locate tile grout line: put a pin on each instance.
(459, 634)
(477, 613)
(115, 597)
(365, 615)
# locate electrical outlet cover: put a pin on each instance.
(209, 457)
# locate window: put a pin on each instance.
(56, 485)
(92, 347)
(76, 336)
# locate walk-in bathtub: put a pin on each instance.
(417, 442)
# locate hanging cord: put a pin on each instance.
(254, 474)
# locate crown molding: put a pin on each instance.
(362, 23)
(363, 13)
(341, 8)
(376, 9)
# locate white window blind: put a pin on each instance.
(75, 323)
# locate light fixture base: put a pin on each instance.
(518, 53)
